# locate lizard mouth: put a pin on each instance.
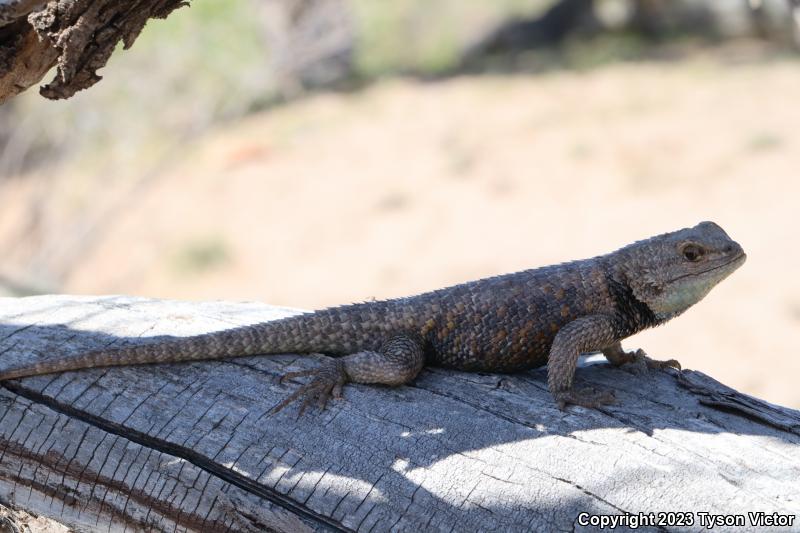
(738, 260)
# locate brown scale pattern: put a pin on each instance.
(500, 324)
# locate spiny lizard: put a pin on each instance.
(507, 323)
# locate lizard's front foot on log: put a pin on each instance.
(639, 363)
(327, 380)
(586, 397)
(636, 362)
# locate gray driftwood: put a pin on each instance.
(191, 447)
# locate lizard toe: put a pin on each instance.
(327, 379)
(296, 374)
(641, 364)
(670, 363)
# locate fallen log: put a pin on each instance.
(193, 447)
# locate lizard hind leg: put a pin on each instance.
(396, 362)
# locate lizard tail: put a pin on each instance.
(249, 340)
(305, 333)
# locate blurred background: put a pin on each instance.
(308, 153)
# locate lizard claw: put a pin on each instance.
(328, 379)
(586, 397)
(640, 363)
(297, 374)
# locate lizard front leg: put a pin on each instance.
(397, 361)
(636, 362)
(582, 335)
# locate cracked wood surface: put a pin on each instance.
(191, 447)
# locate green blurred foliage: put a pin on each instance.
(211, 52)
(201, 255)
(602, 49)
(764, 141)
(425, 37)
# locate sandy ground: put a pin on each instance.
(410, 186)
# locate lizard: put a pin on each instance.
(508, 323)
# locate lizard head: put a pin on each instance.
(674, 271)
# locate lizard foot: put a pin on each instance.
(586, 397)
(327, 380)
(640, 363)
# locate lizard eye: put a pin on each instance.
(692, 252)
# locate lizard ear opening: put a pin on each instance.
(646, 288)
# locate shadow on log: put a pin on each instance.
(192, 447)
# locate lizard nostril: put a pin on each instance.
(728, 248)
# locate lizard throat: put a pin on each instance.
(684, 291)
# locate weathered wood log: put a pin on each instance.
(77, 36)
(191, 447)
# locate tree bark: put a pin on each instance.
(192, 447)
(76, 36)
